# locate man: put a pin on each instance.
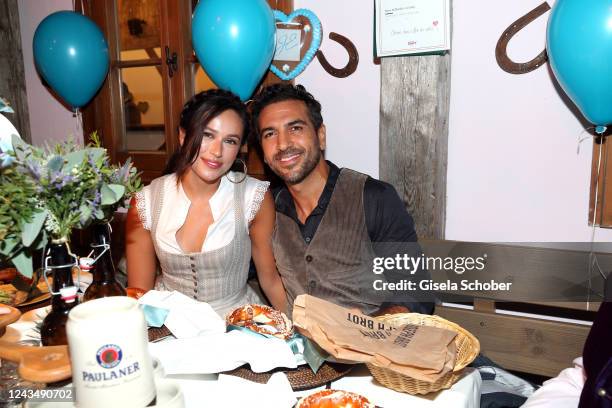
(331, 223)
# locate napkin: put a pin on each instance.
(276, 393)
(27, 328)
(186, 317)
(218, 352)
(155, 316)
(305, 351)
(233, 392)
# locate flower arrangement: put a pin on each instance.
(18, 209)
(62, 187)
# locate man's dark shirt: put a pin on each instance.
(385, 215)
(392, 225)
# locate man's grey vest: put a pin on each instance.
(337, 264)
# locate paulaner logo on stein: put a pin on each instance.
(108, 344)
(109, 356)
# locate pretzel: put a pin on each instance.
(262, 319)
(334, 399)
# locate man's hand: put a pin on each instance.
(395, 309)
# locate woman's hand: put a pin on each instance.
(261, 247)
(139, 251)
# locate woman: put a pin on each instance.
(202, 222)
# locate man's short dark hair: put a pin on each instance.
(284, 92)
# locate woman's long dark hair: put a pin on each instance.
(196, 114)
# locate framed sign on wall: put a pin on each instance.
(405, 27)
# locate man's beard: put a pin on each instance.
(297, 175)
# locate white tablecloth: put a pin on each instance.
(205, 390)
(208, 390)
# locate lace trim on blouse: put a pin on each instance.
(258, 196)
(141, 208)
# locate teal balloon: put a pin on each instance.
(579, 46)
(71, 54)
(234, 41)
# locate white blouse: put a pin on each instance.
(562, 391)
(176, 206)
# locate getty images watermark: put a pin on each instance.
(434, 264)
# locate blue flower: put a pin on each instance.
(34, 170)
(6, 160)
(65, 180)
(97, 199)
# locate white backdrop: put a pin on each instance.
(49, 119)
(513, 168)
(513, 171)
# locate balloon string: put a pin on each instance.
(82, 6)
(592, 256)
(593, 262)
(78, 126)
(589, 136)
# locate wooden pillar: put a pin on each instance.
(13, 84)
(414, 106)
(603, 218)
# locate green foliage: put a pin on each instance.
(50, 191)
(19, 215)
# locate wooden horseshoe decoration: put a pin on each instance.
(353, 61)
(501, 53)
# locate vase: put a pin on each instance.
(59, 263)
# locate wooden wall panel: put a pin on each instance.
(604, 194)
(12, 75)
(414, 106)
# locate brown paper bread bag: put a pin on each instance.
(421, 352)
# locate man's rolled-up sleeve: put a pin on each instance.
(392, 232)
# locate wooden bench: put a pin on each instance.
(532, 329)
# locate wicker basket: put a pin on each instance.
(468, 347)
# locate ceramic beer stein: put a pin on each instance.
(108, 344)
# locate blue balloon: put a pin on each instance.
(234, 41)
(71, 54)
(579, 46)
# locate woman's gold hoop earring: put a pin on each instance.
(244, 172)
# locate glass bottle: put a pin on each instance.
(64, 296)
(104, 282)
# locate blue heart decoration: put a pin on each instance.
(315, 25)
